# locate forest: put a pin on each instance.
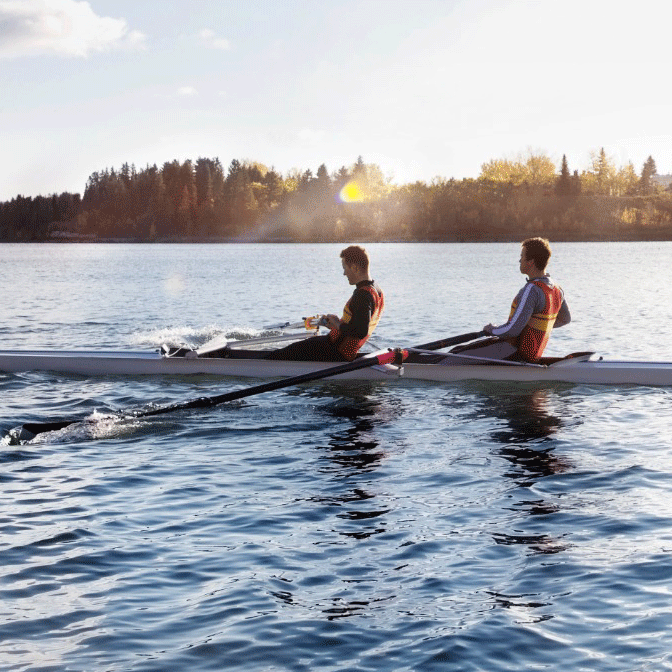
(201, 201)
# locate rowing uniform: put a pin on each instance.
(537, 309)
(360, 317)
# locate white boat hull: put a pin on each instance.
(580, 370)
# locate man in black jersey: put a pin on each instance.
(348, 333)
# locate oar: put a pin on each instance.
(309, 323)
(220, 341)
(31, 429)
(453, 340)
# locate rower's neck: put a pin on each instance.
(536, 274)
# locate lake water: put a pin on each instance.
(369, 526)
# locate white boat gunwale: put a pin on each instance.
(586, 368)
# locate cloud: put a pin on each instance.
(63, 27)
(186, 91)
(210, 39)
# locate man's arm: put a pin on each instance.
(528, 302)
(564, 316)
(361, 309)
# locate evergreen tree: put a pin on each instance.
(204, 182)
(160, 208)
(274, 189)
(171, 179)
(576, 184)
(306, 181)
(648, 171)
(604, 171)
(563, 185)
(183, 216)
(188, 180)
(601, 178)
(323, 178)
(205, 196)
(241, 204)
(359, 168)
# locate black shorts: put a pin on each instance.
(313, 349)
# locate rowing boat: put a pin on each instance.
(421, 365)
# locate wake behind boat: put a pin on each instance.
(245, 358)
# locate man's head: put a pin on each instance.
(355, 262)
(535, 251)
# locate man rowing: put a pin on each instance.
(537, 309)
(360, 317)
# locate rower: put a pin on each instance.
(360, 317)
(537, 309)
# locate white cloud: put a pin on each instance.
(65, 27)
(209, 37)
(187, 91)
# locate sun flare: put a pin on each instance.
(351, 193)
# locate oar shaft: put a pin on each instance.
(309, 323)
(391, 356)
(454, 340)
(388, 357)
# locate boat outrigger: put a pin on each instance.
(246, 358)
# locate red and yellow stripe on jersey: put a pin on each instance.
(357, 328)
(532, 340)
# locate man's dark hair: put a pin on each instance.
(539, 250)
(356, 256)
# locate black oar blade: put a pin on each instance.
(30, 430)
(40, 427)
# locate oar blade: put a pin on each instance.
(29, 430)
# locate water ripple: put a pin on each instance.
(422, 527)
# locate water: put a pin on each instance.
(371, 526)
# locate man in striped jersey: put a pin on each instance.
(537, 309)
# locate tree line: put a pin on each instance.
(33, 219)
(202, 201)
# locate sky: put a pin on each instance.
(422, 88)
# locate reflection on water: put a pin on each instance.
(524, 605)
(353, 447)
(527, 420)
(528, 415)
(537, 543)
(352, 452)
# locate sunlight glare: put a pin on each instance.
(351, 193)
(174, 285)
